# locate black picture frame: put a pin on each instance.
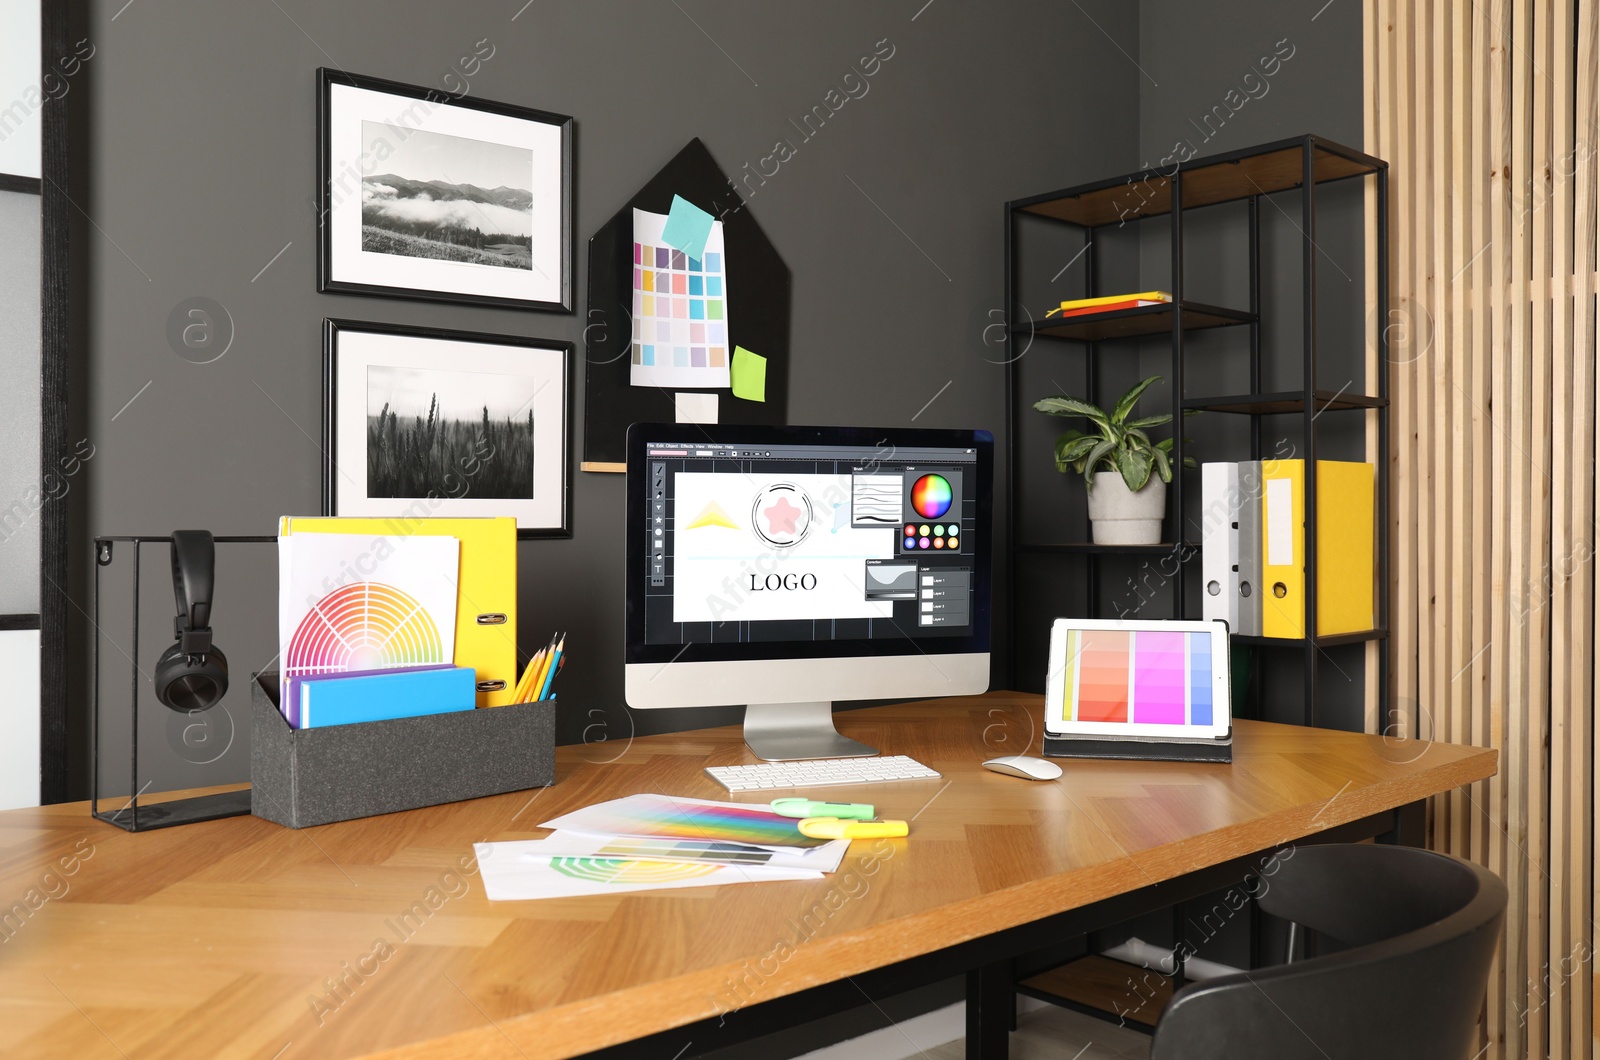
(328, 282)
(334, 331)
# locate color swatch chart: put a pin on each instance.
(1138, 677)
(680, 310)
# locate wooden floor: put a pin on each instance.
(1060, 1034)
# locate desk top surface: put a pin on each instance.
(223, 938)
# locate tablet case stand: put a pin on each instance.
(1137, 747)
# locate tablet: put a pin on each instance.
(1138, 679)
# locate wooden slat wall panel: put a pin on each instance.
(1585, 175)
(1489, 114)
(1408, 332)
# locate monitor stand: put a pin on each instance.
(788, 732)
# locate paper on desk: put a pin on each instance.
(508, 879)
(825, 858)
(669, 817)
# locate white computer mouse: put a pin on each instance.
(1025, 767)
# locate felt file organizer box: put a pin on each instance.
(305, 777)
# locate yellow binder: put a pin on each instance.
(486, 593)
(1345, 547)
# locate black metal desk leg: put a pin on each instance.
(1410, 826)
(991, 1007)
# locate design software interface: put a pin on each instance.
(808, 542)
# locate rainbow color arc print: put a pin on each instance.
(1140, 677)
(619, 871)
(363, 626)
(931, 496)
(661, 817)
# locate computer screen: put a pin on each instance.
(865, 548)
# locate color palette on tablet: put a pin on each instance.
(1138, 677)
(680, 310)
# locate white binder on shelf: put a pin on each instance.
(1250, 545)
(1219, 543)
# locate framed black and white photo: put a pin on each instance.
(434, 196)
(423, 422)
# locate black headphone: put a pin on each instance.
(192, 674)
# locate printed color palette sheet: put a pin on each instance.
(680, 310)
(510, 878)
(1143, 678)
(825, 858)
(666, 817)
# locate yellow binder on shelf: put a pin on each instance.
(1345, 547)
(486, 592)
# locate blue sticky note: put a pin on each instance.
(687, 228)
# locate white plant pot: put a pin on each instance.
(1120, 516)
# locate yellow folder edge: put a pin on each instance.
(1345, 548)
(1346, 533)
(487, 586)
(1283, 548)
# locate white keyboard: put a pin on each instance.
(820, 773)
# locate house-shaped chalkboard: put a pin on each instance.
(757, 297)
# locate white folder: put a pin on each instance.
(1219, 543)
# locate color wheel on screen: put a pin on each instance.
(931, 496)
(364, 626)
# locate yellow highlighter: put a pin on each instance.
(833, 828)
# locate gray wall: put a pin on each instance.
(201, 144)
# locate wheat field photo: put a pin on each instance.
(449, 434)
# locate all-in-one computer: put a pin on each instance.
(785, 568)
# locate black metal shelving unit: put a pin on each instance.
(1302, 163)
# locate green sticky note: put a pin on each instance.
(749, 375)
(687, 227)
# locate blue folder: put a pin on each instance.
(345, 699)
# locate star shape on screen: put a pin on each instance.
(781, 516)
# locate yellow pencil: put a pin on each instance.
(527, 677)
(535, 666)
(538, 674)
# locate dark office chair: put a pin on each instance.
(1405, 940)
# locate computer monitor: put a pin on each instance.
(784, 568)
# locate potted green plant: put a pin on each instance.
(1125, 469)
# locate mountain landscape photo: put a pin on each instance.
(446, 198)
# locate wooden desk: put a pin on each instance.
(222, 939)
